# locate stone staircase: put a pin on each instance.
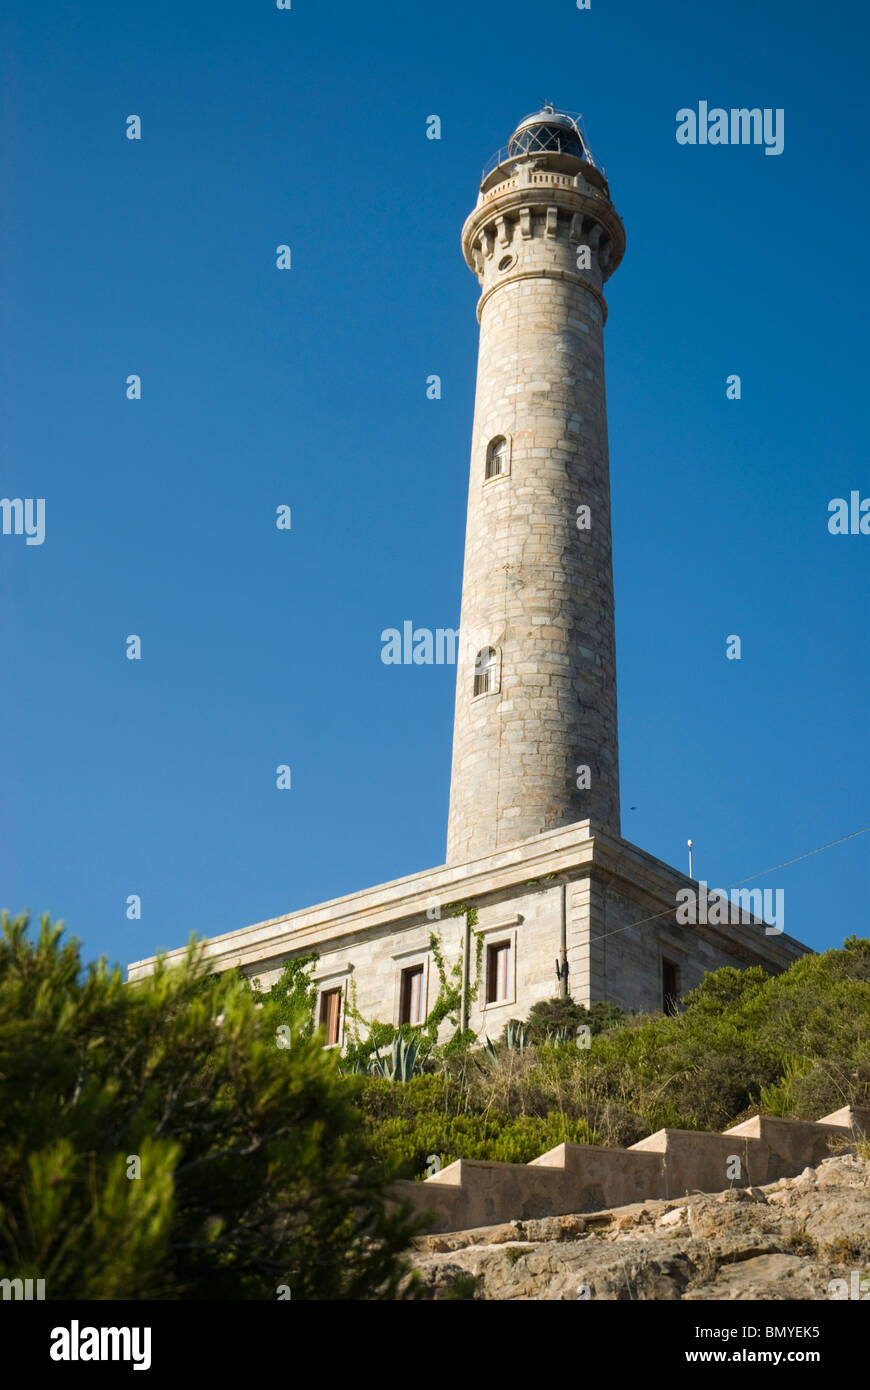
(575, 1178)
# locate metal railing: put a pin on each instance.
(504, 156)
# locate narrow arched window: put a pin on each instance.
(496, 456)
(486, 671)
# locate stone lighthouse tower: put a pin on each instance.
(535, 736)
(562, 903)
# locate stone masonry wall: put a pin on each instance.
(367, 966)
(627, 940)
(536, 588)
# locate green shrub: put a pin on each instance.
(794, 1045)
(293, 995)
(551, 1016)
(516, 1252)
(407, 1124)
(464, 1286)
(253, 1167)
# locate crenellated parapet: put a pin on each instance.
(532, 220)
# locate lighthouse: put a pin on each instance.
(535, 743)
(552, 900)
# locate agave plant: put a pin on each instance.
(516, 1036)
(560, 1035)
(490, 1049)
(400, 1063)
(354, 1068)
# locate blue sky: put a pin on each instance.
(307, 388)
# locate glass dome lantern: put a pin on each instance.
(547, 131)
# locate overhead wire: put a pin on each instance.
(786, 862)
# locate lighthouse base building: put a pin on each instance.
(540, 895)
(572, 896)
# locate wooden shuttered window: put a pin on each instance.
(411, 1000)
(330, 1014)
(498, 966)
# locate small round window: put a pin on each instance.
(506, 262)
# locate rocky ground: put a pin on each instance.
(787, 1240)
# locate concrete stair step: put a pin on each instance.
(605, 1177)
(697, 1161)
(575, 1178)
(851, 1117)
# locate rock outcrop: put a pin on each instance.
(789, 1239)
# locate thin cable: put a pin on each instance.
(668, 910)
(809, 853)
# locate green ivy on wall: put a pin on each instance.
(361, 1046)
(293, 996)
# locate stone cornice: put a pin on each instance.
(389, 903)
(568, 850)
